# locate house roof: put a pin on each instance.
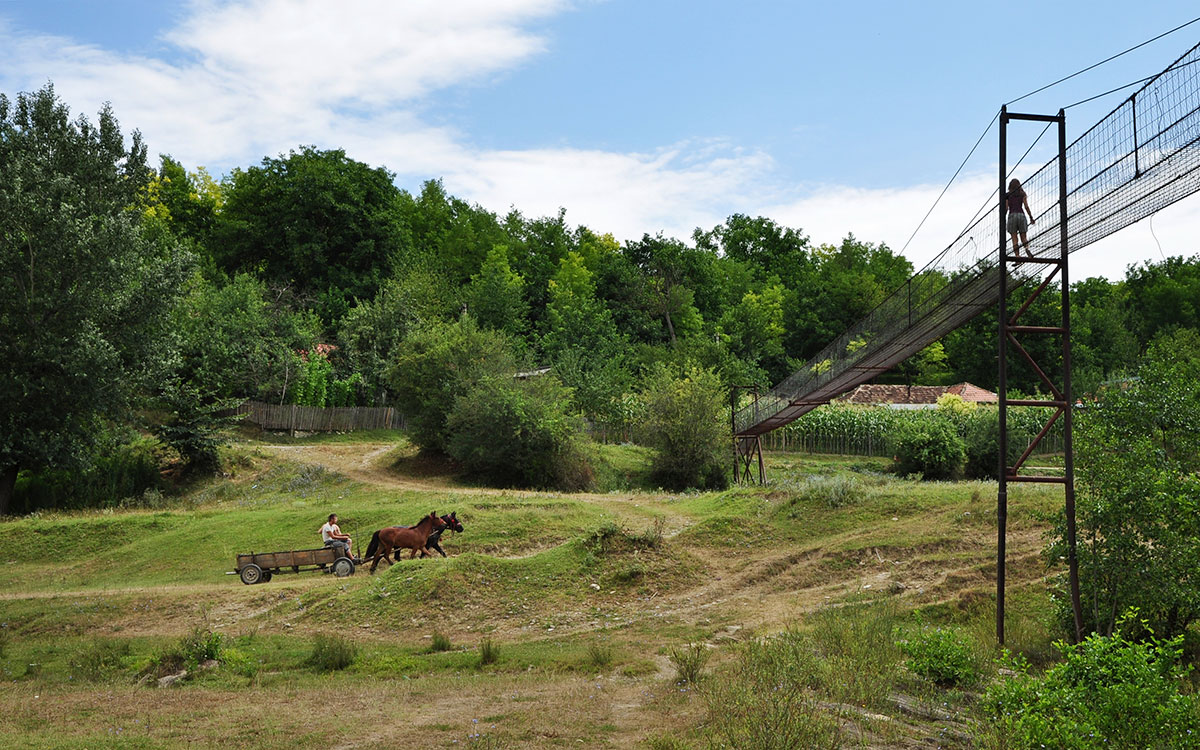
(917, 394)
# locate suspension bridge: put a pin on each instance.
(1139, 159)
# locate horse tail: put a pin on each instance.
(372, 546)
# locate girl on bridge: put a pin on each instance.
(1018, 207)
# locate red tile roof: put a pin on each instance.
(917, 394)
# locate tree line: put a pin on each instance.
(159, 295)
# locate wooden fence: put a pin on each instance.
(316, 419)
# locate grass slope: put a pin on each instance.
(586, 599)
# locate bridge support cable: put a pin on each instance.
(1061, 398)
(1120, 171)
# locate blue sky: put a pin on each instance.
(636, 117)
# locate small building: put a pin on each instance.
(916, 396)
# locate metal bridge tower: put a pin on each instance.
(1061, 399)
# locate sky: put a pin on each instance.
(636, 116)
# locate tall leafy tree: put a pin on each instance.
(1138, 453)
(329, 225)
(496, 295)
(86, 286)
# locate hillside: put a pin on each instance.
(585, 596)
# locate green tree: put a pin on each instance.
(331, 226)
(190, 202)
(496, 295)
(436, 364)
(370, 332)
(582, 342)
(755, 329)
(85, 285)
(1164, 296)
(686, 425)
(519, 432)
(1138, 454)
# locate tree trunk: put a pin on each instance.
(8, 480)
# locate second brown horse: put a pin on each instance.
(402, 537)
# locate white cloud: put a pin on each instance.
(262, 77)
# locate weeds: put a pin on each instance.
(941, 655)
(599, 655)
(767, 702)
(331, 653)
(610, 538)
(665, 742)
(195, 648)
(99, 659)
(779, 692)
(689, 662)
(489, 652)
(440, 642)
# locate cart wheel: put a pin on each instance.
(251, 574)
(266, 576)
(342, 567)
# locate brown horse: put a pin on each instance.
(402, 537)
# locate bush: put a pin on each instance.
(489, 652)
(241, 663)
(122, 471)
(940, 655)
(436, 365)
(981, 439)
(188, 653)
(331, 653)
(686, 425)
(1138, 487)
(832, 492)
(689, 662)
(519, 432)
(932, 449)
(1107, 692)
(440, 642)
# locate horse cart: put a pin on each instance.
(259, 567)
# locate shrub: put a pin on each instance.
(519, 432)
(689, 662)
(188, 653)
(932, 449)
(241, 663)
(331, 653)
(611, 538)
(122, 471)
(832, 492)
(440, 642)
(435, 365)
(981, 441)
(1138, 485)
(686, 425)
(489, 652)
(99, 659)
(940, 655)
(1107, 692)
(200, 646)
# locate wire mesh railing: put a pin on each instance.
(1139, 159)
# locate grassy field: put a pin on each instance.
(558, 620)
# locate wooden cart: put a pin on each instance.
(259, 567)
